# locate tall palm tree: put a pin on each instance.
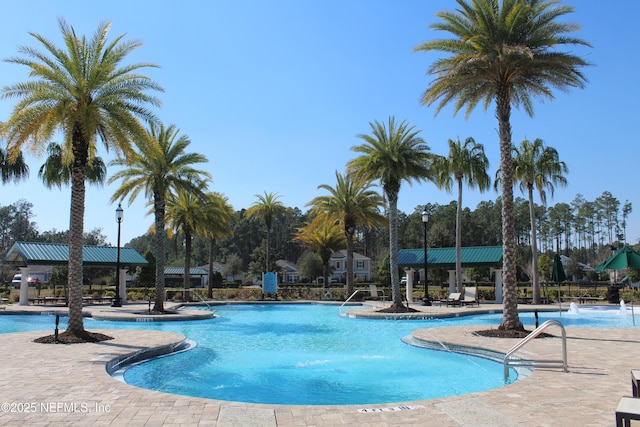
(55, 172)
(325, 237)
(266, 209)
(84, 91)
(466, 164)
(536, 166)
(185, 217)
(504, 52)
(12, 169)
(393, 153)
(160, 166)
(352, 205)
(218, 223)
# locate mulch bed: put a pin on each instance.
(67, 337)
(499, 333)
(397, 309)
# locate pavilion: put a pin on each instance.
(412, 260)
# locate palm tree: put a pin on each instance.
(55, 172)
(12, 169)
(85, 92)
(218, 223)
(325, 237)
(503, 52)
(266, 209)
(466, 163)
(186, 216)
(536, 166)
(392, 154)
(351, 204)
(160, 166)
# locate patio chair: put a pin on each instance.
(470, 296)
(376, 294)
(453, 299)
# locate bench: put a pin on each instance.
(584, 300)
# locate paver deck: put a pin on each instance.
(57, 385)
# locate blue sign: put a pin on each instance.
(269, 283)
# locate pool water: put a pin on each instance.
(308, 355)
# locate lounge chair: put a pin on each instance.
(453, 299)
(470, 296)
(375, 294)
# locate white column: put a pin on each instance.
(123, 285)
(452, 281)
(498, 284)
(24, 286)
(409, 273)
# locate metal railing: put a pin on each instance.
(509, 361)
(200, 297)
(348, 299)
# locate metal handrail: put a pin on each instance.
(537, 363)
(348, 299)
(201, 297)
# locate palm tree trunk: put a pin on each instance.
(267, 254)
(187, 266)
(349, 279)
(510, 319)
(325, 277)
(76, 237)
(534, 250)
(459, 238)
(393, 252)
(159, 209)
(210, 284)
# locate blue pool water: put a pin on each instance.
(307, 354)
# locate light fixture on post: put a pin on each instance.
(117, 301)
(425, 218)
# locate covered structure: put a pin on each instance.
(26, 255)
(490, 257)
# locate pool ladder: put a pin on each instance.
(510, 361)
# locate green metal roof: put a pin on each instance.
(25, 253)
(179, 271)
(475, 256)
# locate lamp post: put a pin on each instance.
(425, 218)
(116, 301)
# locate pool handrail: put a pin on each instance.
(537, 363)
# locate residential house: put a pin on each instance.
(338, 266)
(289, 272)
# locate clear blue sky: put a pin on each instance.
(274, 94)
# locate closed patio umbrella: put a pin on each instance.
(558, 275)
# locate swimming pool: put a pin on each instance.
(308, 355)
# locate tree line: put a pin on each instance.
(580, 229)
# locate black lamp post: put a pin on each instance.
(116, 301)
(426, 300)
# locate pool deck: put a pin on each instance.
(59, 385)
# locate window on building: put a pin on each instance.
(360, 264)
